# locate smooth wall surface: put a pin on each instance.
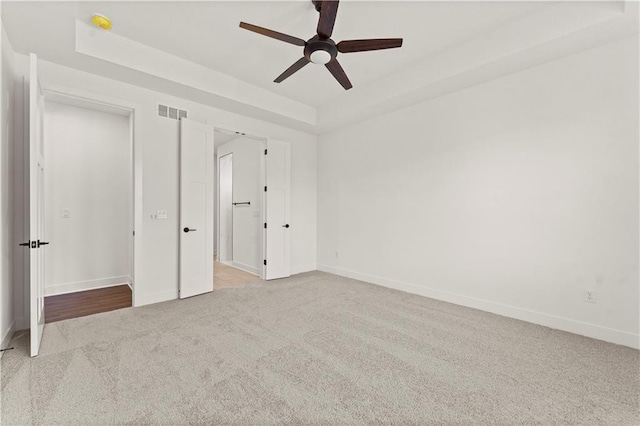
(156, 271)
(513, 196)
(88, 175)
(246, 219)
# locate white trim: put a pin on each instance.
(594, 331)
(6, 338)
(246, 268)
(64, 288)
(130, 283)
(161, 296)
(299, 269)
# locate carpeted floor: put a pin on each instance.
(315, 349)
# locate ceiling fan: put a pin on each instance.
(320, 49)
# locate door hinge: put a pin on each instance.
(265, 262)
(265, 189)
(134, 233)
(265, 226)
(265, 152)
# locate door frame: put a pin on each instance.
(263, 171)
(53, 92)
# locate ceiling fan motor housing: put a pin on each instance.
(316, 43)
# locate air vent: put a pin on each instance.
(171, 112)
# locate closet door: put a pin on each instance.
(196, 208)
(278, 210)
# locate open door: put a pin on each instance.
(277, 262)
(196, 208)
(36, 206)
(225, 208)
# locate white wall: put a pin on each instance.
(512, 196)
(247, 222)
(156, 272)
(88, 173)
(6, 190)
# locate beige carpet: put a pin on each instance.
(315, 349)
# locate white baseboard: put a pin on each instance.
(161, 296)
(53, 290)
(594, 331)
(299, 269)
(246, 268)
(6, 337)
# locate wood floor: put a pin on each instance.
(227, 276)
(83, 303)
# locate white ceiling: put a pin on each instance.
(207, 33)
(448, 45)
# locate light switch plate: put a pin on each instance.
(66, 214)
(590, 295)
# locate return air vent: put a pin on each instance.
(171, 112)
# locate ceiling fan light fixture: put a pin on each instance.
(320, 57)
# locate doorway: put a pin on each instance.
(240, 203)
(88, 208)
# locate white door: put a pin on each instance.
(36, 206)
(196, 208)
(277, 212)
(225, 166)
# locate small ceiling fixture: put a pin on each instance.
(101, 21)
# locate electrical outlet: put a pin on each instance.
(589, 295)
(161, 214)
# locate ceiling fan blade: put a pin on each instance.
(337, 71)
(328, 12)
(349, 46)
(273, 34)
(292, 69)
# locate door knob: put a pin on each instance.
(285, 226)
(42, 243)
(186, 229)
(27, 244)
